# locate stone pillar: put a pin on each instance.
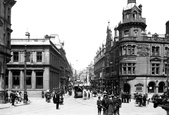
(33, 80)
(21, 80)
(10, 83)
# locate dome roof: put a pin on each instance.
(129, 6)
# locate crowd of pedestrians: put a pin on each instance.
(141, 99)
(110, 105)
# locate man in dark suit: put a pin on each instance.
(56, 99)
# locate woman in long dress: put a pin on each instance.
(110, 110)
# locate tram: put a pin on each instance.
(78, 91)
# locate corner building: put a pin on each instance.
(139, 58)
(47, 67)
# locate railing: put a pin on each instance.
(151, 38)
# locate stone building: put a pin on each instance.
(137, 60)
(46, 68)
(5, 40)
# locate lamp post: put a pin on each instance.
(25, 66)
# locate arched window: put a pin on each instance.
(127, 15)
(134, 15)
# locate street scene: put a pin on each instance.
(84, 57)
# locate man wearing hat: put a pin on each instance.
(56, 98)
(13, 97)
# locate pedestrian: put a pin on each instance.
(105, 104)
(118, 103)
(99, 106)
(111, 106)
(13, 97)
(56, 99)
(43, 94)
(25, 97)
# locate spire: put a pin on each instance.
(108, 27)
(131, 1)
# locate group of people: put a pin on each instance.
(16, 97)
(141, 99)
(126, 97)
(56, 95)
(86, 94)
(110, 105)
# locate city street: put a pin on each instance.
(73, 106)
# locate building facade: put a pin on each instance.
(5, 40)
(138, 60)
(46, 66)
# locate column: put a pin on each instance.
(10, 83)
(21, 80)
(33, 77)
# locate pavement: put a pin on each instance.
(72, 106)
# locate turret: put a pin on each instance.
(131, 1)
(167, 27)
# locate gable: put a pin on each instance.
(155, 59)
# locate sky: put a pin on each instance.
(81, 24)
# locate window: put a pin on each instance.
(126, 33)
(28, 56)
(128, 68)
(39, 56)
(16, 79)
(39, 79)
(166, 65)
(128, 50)
(134, 15)
(166, 51)
(127, 15)
(155, 51)
(6, 79)
(28, 79)
(135, 32)
(15, 56)
(155, 68)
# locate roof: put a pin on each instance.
(129, 6)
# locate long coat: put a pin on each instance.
(56, 98)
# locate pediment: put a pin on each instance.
(155, 59)
(139, 85)
(135, 8)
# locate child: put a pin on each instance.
(99, 106)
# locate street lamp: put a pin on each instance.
(25, 66)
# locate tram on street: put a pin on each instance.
(78, 91)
